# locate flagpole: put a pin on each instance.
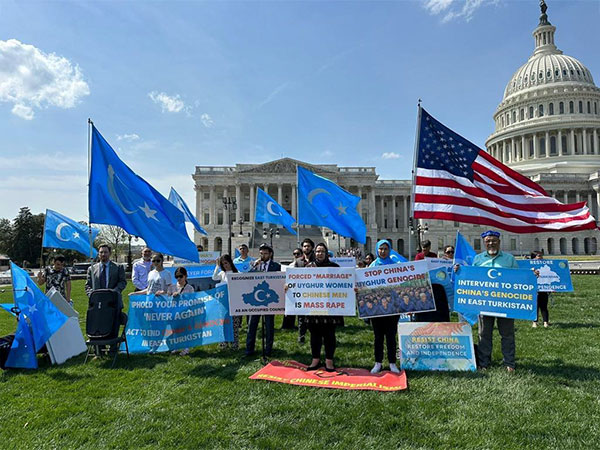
(90, 125)
(414, 170)
(42, 250)
(297, 211)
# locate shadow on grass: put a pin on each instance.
(557, 368)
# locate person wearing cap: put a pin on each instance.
(264, 264)
(494, 257)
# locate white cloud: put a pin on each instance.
(207, 121)
(390, 155)
(171, 104)
(455, 9)
(274, 93)
(30, 78)
(128, 137)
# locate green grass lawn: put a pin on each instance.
(205, 400)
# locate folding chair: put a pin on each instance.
(103, 322)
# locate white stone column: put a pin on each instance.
(280, 194)
(572, 139)
(524, 148)
(595, 149)
(547, 144)
(211, 212)
(590, 205)
(199, 198)
(360, 203)
(252, 204)
(566, 196)
(294, 208)
(560, 147)
(536, 151)
(372, 208)
(394, 227)
(238, 200)
(513, 150)
(381, 221)
(597, 205)
(585, 142)
(577, 196)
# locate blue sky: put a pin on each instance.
(172, 85)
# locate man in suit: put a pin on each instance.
(264, 264)
(105, 275)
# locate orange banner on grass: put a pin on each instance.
(292, 372)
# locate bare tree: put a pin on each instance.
(114, 236)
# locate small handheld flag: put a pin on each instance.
(62, 232)
(269, 211)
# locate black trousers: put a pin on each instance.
(322, 333)
(302, 326)
(542, 301)
(385, 327)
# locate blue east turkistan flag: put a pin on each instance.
(22, 351)
(117, 196)
(397, 257)
(463, 256)
(62, 232)
(44, 317)
(269, 211)
(323, 203)
(176, 199)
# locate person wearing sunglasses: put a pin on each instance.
(159, 279)
(448, 252)
(181, 287)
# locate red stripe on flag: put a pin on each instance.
(513, 173)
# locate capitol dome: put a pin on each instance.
(549, 117)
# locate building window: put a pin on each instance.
(247, 216)
(561, 108)
(503, 121)
(542, 143)
(515, 115)
(531, 147)
(456, 224)
(589, 108)
(580, 107)
(477, 244)
(522, 114)
(220, 219)
(564, 145)
(553, 150)
(541, 111)
(571, 111)
(513, 245)
(551, 109)
(207, 196)
(531, 112)
(595, 108)
(206, 218)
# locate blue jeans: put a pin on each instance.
(269, 333)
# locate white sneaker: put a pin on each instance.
(394, 368)
(376, 368)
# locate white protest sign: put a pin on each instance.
(255, 293)
(393, 289)
(323, 291)
(344, 261)
(434, 263)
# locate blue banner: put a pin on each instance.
(495, 291)
(441, 276)
(555, 275)
(161, 323)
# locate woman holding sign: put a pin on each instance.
(223, 266)
(386, 326)
(322, 328)
(542, 297)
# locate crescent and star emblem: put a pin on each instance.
(271, 211)
(149, 212)
(493, 274)
(312, 194)
(59, 230)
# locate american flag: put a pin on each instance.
(455, 180)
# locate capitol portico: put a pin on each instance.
(547, 127)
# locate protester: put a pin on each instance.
(141, 269)
(244, 259)
(369, 258)
(322, 328)
(223, 266)
(105, 275)
(494, 257)
(448, 252)
(264, 264)
(542, 297)
(426, 251)
(181, 287)
(308, 256)
(386, 326)
(289, 321)
(159, 279)
(57, 277)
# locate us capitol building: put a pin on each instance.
(546, 128)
